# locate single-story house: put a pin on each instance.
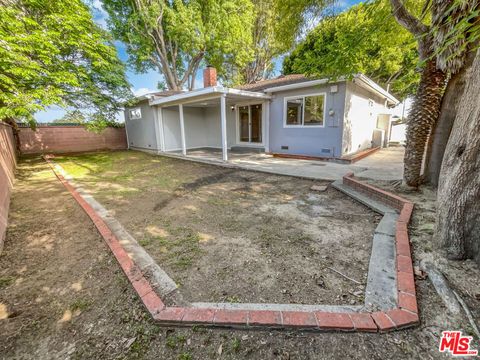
(291, 115)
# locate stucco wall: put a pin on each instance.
(360, 118)
(66, 139)
(312, 141)
(8, 163)
(213, 122)
(141, 132)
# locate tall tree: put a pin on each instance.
(360, 40)
(176, 37)
(277, 25)
(426, 105)
(51, 52)
(458, 205)
(454, 37)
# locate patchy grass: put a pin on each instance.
(80, 304)
(6, 281)
(230, 235)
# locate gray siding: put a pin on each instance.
(141, 132)
(305, 140)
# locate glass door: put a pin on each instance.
(250, 123)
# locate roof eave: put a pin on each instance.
(192, 96)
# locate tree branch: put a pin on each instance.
(407, 20)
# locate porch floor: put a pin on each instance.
(386, 164)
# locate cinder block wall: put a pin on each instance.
(67, 139)
(8, 163)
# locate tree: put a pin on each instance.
(442, 55)
(176, 37)
(458, 214)
(457, 34)
(454, 35)
(276, 26)
(426, 105)
(360, 40)
(52, 53)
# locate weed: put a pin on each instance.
(175, 340)
(185, 356)
(80, 304)
(6, 281)
(235, 345)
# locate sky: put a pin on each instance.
(147, 82)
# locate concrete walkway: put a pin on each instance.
(385, 164)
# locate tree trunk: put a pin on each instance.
(421, 118)
(443, 127)
(458, 199)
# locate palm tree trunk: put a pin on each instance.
(423, 115)
(458, 204)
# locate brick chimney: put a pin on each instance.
(209, 76)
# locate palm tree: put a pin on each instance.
(426, 105)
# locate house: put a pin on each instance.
(290, 115)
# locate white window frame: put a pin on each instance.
(130, 113)
(302, 125)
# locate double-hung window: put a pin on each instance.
(305, 111)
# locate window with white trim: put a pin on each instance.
(305, 110)
(135, 113)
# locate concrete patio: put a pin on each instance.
(386, 164)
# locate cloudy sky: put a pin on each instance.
(147, 82)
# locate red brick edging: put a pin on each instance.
(405, 315)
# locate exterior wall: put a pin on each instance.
(66, 139)
(314, 141)
(196, 130)
(214, 126)
(360, 118)
(141, 132)
(8, 163)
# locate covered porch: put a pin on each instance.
(211, 122)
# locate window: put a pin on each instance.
(135, 113)
(305, 111)
(294, 111)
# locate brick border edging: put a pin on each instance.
(406, 314)
(403, 316)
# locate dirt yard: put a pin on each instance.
(63, 296)
(235, 236)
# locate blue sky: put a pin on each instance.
(144, 83)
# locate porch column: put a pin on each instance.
(223, 120)
(182, 129)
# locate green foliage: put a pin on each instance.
(52, 53)
(276, 26)
(176, 37)
(364, 39)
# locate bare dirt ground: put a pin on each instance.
(63, 296)
(237, 236)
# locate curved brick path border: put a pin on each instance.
(404, 315)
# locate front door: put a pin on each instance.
(250, 123)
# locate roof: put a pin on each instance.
(203, 94)
(158, 94)
(278, 81)
(297, 81)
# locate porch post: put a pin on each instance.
(182, 129)
(223, 118)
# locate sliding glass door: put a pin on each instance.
(250, 123)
